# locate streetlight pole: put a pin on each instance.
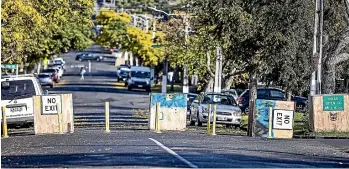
(185, 69)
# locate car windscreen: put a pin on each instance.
(43, 76)
(17, 89)
(49, 71)
(219, 99)
(140, 74)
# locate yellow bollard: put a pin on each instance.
(116, 62)
(209, 120)
(214, 120)
(270, 122)
(157, 118)
(107, 130)
(4, 122)
(59, 112)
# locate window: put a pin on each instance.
(219, 99)
(140, 74)
(261, 92)
(17, 89)
(277, 93)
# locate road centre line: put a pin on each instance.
(173, 153)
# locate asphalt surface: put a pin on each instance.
(130, 144)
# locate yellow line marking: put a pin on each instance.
(119, 85)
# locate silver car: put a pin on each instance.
(228, 111)
(45, 80)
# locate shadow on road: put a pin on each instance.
(163, 159)
(96, 89)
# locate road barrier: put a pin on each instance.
(157, 117)
(214, 120)
(107, 130)
(270, 122)
(209, 120)
(53, 114)
(4, 122)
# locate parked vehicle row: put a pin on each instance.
(53, 73)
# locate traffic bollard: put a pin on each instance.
(89, 66)
(157, 118)
(209, 120)
(270, 122)
(107, 130)
(4, 122)
(214, 120)
(59, 112)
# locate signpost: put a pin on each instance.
(49, 104)
(10, 66)
(333, 103)
(283, 119)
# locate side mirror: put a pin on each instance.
(46, 92)
(152, 78)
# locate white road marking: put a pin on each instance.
(174, 153)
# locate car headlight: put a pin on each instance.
(147, 82)
(237, 113)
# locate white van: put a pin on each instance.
(16, 95)
(140, 77)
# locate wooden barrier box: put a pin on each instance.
(329, 113)
(46, 117)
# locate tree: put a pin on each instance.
(336, 40)
(116, 31)
(36, 29)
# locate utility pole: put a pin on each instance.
(185, 69)
(313, 82)
(319, 68)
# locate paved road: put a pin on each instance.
(87, 148)
(99, 86)
(131, 145)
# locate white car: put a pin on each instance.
(227, 113)
(16, 95)
(59, 60)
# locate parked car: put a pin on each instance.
(227, 111)
(122, 73)
(59, 67)
(53, 73)
(89, 56)
(16, 95)
(59, 61)
(232, 92)
(190, 98)
(45, 80)
(270, 94)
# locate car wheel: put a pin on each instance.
(80, 59)
(229, 126)
(247, 110)
(129, 88)
(98, 59)
(192, 123)
(198, 119)
(148, 90)
(51, 86)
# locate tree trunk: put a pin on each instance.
(329, 77)
(252, 101)
(228, 82)
(209, 85)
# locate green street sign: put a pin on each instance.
(155, 46)
(8, 66)
(333, 103)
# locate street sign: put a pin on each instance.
(49, 104)
(9, 66)
(156, 46)
(333, 103)
(283, 119)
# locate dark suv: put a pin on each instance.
(89, 56)
(271, 94)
